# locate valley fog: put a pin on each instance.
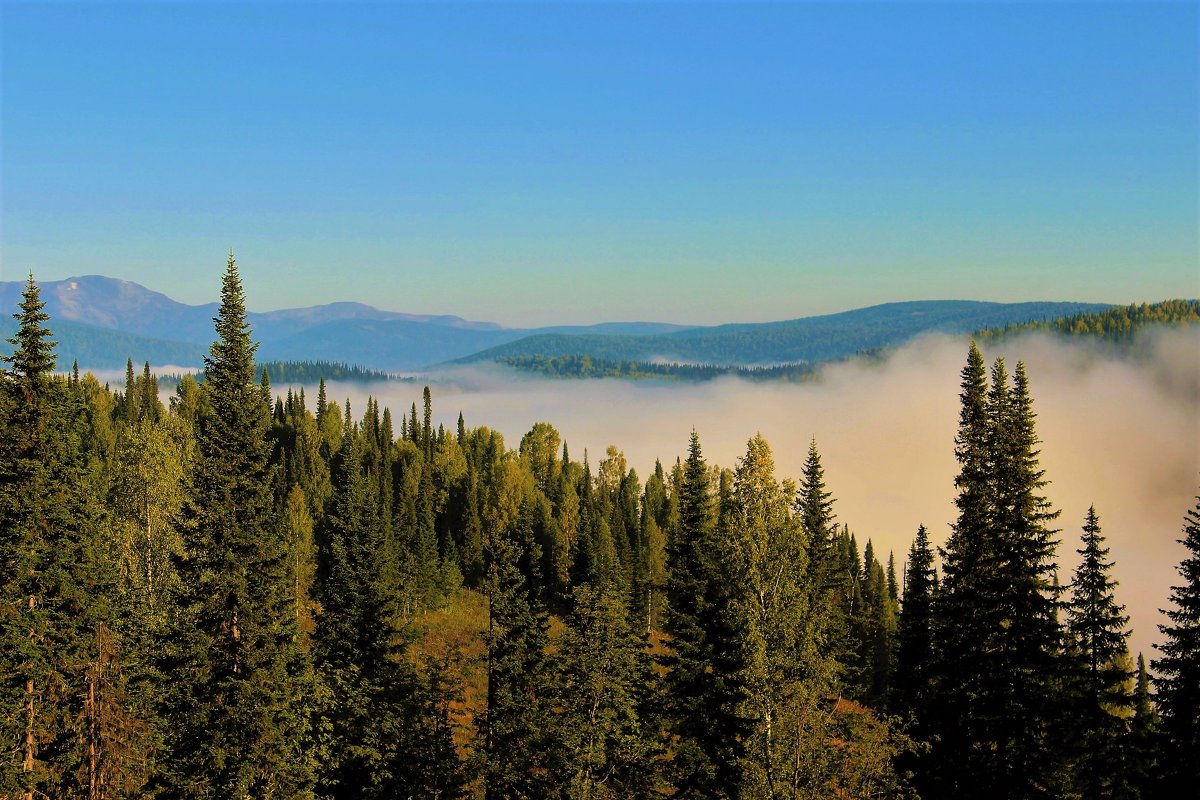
(1119, 434)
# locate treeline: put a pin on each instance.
(220, 596)
(309, 372)
(583, 366)
(1117, 326)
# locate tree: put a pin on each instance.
(237, 724)
(1098, 637)
(605, 731)
(911, 688)
(1179, 668)
(56, 587)
(996, 628)
(1143, 735)
(356, 643)
(517, 717)
(704, 686)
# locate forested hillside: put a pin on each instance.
(1117, 326)
(103, 322)
(236, 593)
(809, 339)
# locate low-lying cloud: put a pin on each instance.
(1120, 433)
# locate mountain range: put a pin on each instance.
(102, 321)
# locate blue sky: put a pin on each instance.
(542, 163)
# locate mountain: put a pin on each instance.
(807, 339)
(107, 349)
(102, 321)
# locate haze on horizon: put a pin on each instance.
(1121, 434)
(552, 163)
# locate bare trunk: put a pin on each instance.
(27, 765)
(149, 557)
(94, 723)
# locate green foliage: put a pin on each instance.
(606, 730)
(221, 597)
(237, 722)
(1179, 668)
(1118, 325)
(996, 632)
(1098, 645)
(705, 687)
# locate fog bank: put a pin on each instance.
(1121, 434)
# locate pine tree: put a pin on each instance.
(1098, 637)
(237, 724)
(1179, 669)
(815, 507)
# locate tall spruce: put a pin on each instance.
(1143, 745)
(516, 722)
(1098, 640)
(356, 641)
(57, 585)
(236, 714)
(1178, 670)
(911, 686)
(996, 629)
(704, 685)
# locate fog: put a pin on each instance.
(1121, 434)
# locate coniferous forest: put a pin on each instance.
(234, 593)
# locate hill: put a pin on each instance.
(103, 321)
(804, 340)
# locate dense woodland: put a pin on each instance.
(1117, 326)
(238, 594)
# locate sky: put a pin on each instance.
(543, 163)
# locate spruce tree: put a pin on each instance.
(516, 723)
(57, 586)
(1098, 638)
(237, 721)
(1179, 669)
(605, 731)
(705, 684)
(911, 686)
(996, 630)
(1143, 744)
(356, 642)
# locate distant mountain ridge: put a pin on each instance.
(103, 321)
(803, 340)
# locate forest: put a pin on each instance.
(234, 593)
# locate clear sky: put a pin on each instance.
(565, 162)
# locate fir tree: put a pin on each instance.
(1143, 745)
(1179, 669)
(237, 724)
(517, 717)
(705, 685)
(1098, 635)
(606, 732)
(356, 643)
(56, 586)
(996, 631)
(911, 687)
